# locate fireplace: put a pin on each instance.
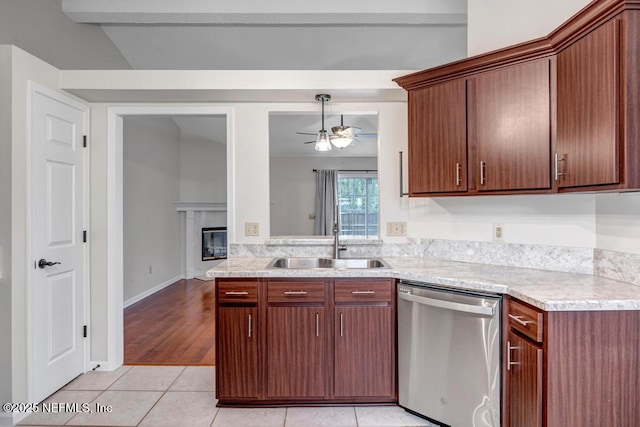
(214, 243)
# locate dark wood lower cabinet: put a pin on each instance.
(295, 353)
(237, 346)
(571, 368)
(288, 341)
(525, 381)
(364, 363)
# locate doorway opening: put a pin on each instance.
(156, 200)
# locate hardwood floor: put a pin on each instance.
(174, 326)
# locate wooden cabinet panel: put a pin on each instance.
(237, 353)
(588, 133)
(438, 139)
(364, 291)
(295, 353)
(295, 291)
(526, 319)
(236, 291)
(364, 366)
(510, 127)
(525, 382)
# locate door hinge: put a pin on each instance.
(84, 331)
(84, 141)
(84, 236)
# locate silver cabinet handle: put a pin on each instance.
(236, 293)
(317, 325)
(357, 292)
(519, 320)
(509, 362)
(250, 325)
(557, 161)
(482, 173)
(295, 292)
(402, 192)
(341, 324)
(458, 180)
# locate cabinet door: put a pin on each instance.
(510, 127)
(588, 109)
(525, 382)
(237, 364)
(296, 352)
(364, 354)
(438, 138)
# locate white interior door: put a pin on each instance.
(57, 291)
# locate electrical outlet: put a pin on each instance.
(396, 229)
(251, 228)
(498, 233)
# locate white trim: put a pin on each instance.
(115, 226)
(152, 291)
(66, 98)
(12, 419)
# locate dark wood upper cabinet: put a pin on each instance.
(438, 139)
(557, 114)
(510, 127)
(588, 129)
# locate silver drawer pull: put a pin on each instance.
(236, 293)
(295, 292)
(357, 292)
(519, 320)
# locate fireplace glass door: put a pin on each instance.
(214, 243)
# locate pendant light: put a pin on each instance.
(322, 140)
(344, 135)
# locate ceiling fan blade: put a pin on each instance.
(309, 142)
(367, 135)
(306, 133)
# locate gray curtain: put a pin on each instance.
(326, 199)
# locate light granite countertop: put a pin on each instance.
(548, 290)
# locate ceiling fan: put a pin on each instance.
(342, 136)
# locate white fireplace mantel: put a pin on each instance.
(190, 208)
(200, 206)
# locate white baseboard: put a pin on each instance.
(152, 291)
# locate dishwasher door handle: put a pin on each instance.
(448, 305)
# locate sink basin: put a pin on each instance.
(307, 263)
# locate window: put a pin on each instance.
(358, 201)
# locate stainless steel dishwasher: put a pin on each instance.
(449, 354)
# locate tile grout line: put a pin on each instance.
(161, 396)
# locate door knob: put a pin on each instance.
(44, 263)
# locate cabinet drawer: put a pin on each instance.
(295, 291)
(238, 292)
(526, 319)
(364, 291)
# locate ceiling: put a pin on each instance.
(281, 35)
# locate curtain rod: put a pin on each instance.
(353, 170)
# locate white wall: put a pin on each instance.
(293, 189)
(494, 24)
(40, 28)
(151, 174)
(618, 222)
(203, 170)
(558, 220)
(5, 223)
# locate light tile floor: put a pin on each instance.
(176, 396)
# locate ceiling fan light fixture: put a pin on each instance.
(341, 142)
(322, 141)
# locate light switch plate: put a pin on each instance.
(251, 228)
(397, 228)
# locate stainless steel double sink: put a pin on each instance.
(308, 263)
